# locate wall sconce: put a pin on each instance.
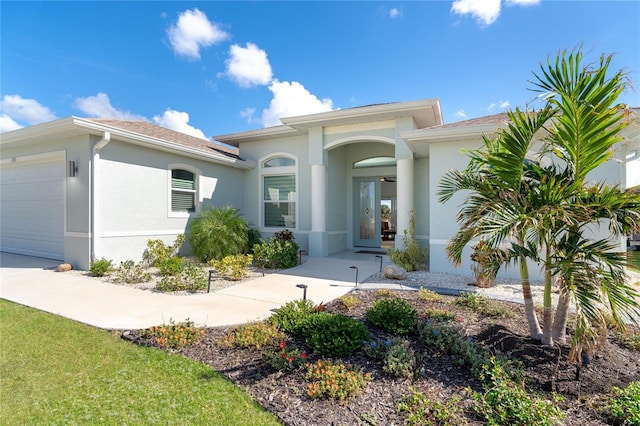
(73, 168)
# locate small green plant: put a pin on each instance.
(428, 295)
(505, 401)
(170, 266)
(400, 359)
(131, 273)
(286, 359)
(629, 338)
(256, 334)
(376, 349)
(395, 316)
(349, 301)
(421, 410)
(292, 316)
(276, 254)
(335, 380)
(253, 237)
(333, 335)
(219, 232)
(233, 266)
(436, 314)
(190, 279)
(173, 335)
(624, 405)
(384, 293)
(411, 256)
(483, 305)
(101, 267)
(157, 251)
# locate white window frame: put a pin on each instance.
(196, 193)
(277, 171)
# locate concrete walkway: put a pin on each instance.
(33, 282)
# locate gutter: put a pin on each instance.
(95, 173)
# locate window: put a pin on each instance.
(279, 196)
(183, 191)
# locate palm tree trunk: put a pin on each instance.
(559, 331)
(547, 338)
(532, 319)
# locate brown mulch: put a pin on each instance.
(546, 368)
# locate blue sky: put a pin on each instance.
(210, 68)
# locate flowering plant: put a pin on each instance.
(335, 380)
(173, 335)
(286, 359)
(487, 263)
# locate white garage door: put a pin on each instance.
(32, 206)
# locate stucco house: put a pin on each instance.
(79, 189)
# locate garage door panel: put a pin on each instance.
(32, 218)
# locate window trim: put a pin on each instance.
(277, 171)
(197, 173)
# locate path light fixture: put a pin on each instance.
(380, 262)
(356, 268)
(211, 272)
(304, 290)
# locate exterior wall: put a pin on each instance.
(337, 200)
(134, 206)
(422, 190)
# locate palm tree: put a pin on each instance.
(545, 212)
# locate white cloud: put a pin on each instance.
(248, 114)
(291, 99)
(7, 124)
(486, 12)
(395, 13)
(100, 106)
(178, 121)
(20, 110)
(249, 66)
(461, 114)
(192, 32)
(501, 105)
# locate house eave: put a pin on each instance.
(234, 139)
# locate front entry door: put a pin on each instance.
(366, 212)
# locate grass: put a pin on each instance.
(56, 371)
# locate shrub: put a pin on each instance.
(483, 305)
(436, 314)
(400, 359)
(157, 251)
(624, 405)
(333, 335)
(384, 292)
(506, 402)
(292, 316)
(411, 256)
(257, 334)
(284, 235)
(219, 232)
(393, 316)
(253, 237)
(131, 273)
(173, 335)
(173, 265)
(233, 266)
(191, 279)
(335, 380)
(286, 359)
(376, 349)
(276, 254)
(422, 411)
(100, 267)
(349, 301)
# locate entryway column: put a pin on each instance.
(318, 242)
(404, 170)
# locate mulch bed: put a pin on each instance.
(546, 371)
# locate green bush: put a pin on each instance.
(292, 316)
(233, 266)
(400, 359)
(423, 411)
(276, 254)
(333, 335)
(411, 256)
(286, 359)
(256, 334)
(253, 237)
(131, 273)
(624, 405)
(190, 279)
(395, 316)
(157, 251)
(100, 267)
(219, 232)
(173, 265)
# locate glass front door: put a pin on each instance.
(367, 212)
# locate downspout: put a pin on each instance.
(95, 196)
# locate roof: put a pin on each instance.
(149, 129)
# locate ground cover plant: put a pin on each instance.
(460, 365)
(56, 371)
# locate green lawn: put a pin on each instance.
(57, 371)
